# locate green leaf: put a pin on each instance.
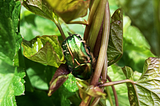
(40, 7)
(70, 83)
(45, 50)
(32, 25)
(115, 46)
(145, 91)
(135, 47)
(143, 16)
(38, 77)
(12, 84)
(69, 9)
(116, 74)
(9, 38)
(38, 74)
(131, 88)
(11, 78)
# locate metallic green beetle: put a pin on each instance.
(77, 56)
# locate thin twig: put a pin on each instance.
(56, 21)
(114, 91)
(109, 96)
(104, 76)
(117, 82)
(61, 31)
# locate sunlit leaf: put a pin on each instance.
(143, 16)
(32, 25)
(40, 7)
(115, 46)
(11, 84)
(115, 73)
(45, 50)
(11, 78)
(69, 9)
(145, 91)
(135, 47)
(70, 83)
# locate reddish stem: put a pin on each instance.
(114, 91)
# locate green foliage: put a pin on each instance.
(144, 18)
(32, 25)
(116, 74)
(135, 48)
(41, 8)
(45, 50)
(145, 91)
(9, 37)
(69, 9)
(11, 78)
(24, 82)
(115, 46)
(50, 9)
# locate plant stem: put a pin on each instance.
(104, 71)
(114, 92)
(56, 21)
(90, 18)
(61, 31)
(103, 48)
(95, 101)
(98, 41)
(83, 103)
(117, 82)
(96, 24)
(104, 76)
(109, 96)
(103, 51)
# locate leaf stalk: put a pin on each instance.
(117, 82)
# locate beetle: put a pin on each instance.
(78, 58)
